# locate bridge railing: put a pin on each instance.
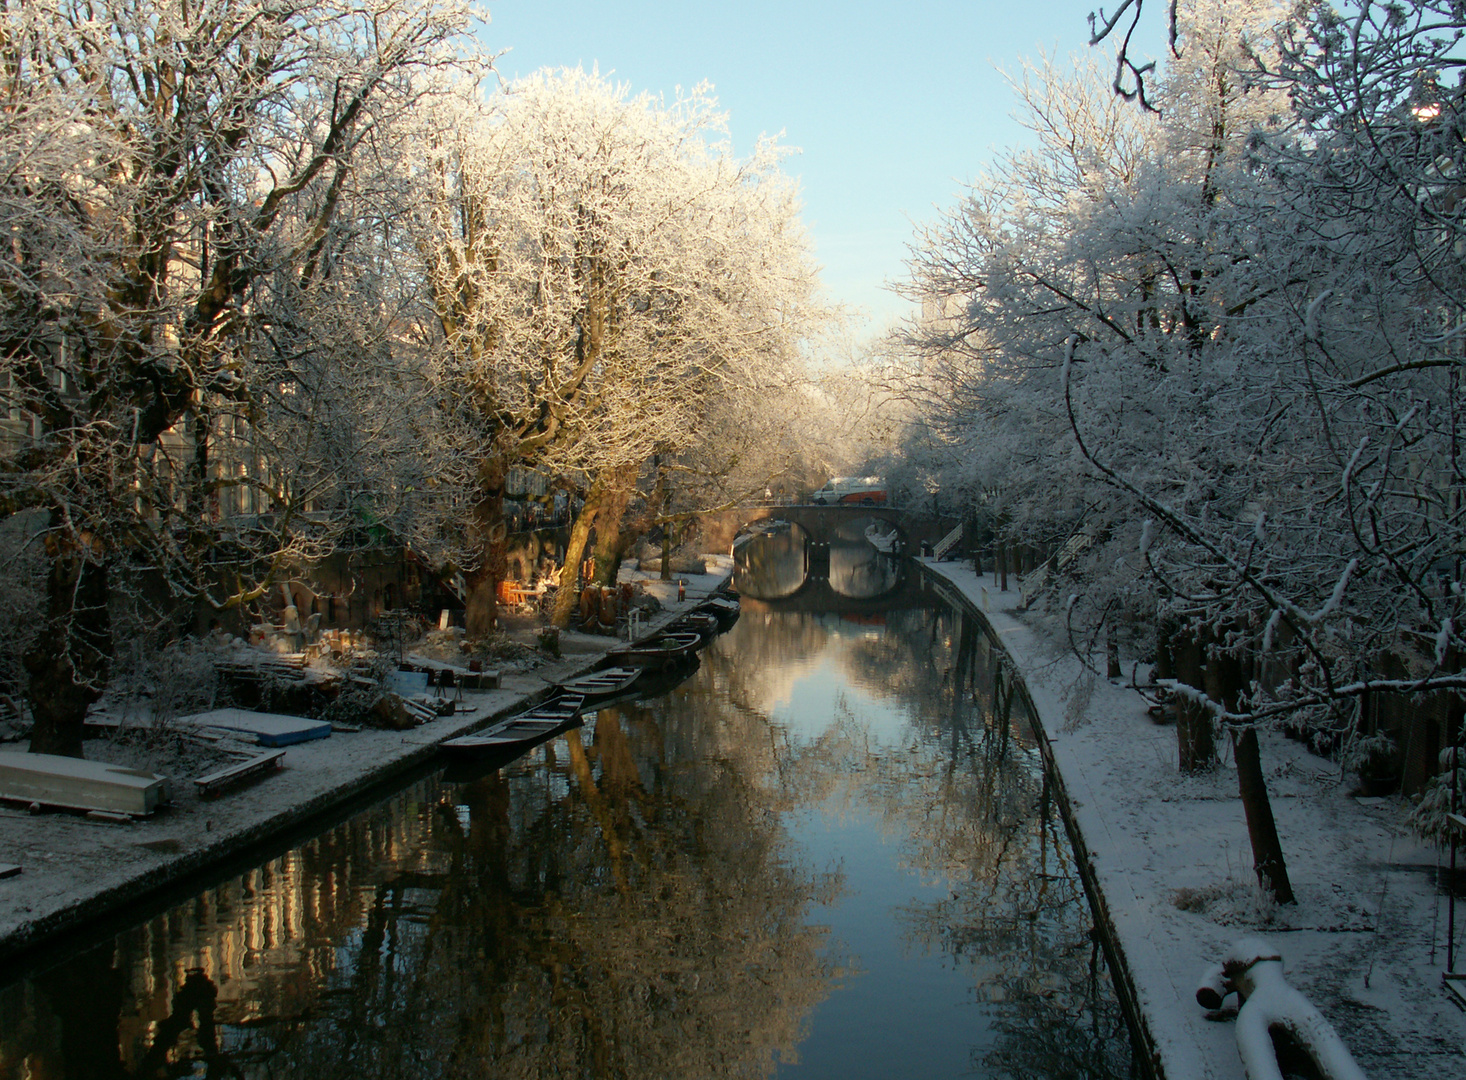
(796, 504)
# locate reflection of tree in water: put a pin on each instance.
(614, 910)
(969, 795)
(621, 903)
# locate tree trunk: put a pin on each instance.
(669, 538)
(1225, 676)
(1112, 653)
(68, 662)
(481, 606)
(1267, 850)
(566, 596)
(1194, 737)
(1001, 551)
(1165, 667)
(611, 540)
(481, 614)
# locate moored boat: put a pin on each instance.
(522, 730)
(598, 686)
(657, 650)
(702, 623)
(724, 608)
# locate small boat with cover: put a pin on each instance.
(724, 608)
(702, 623)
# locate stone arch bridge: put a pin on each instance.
(820, 523)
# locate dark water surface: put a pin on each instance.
(824, 855)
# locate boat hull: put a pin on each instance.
(519, 732)
(659, 650)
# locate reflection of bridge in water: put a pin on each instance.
(779, 563)
(817, 596)
(848, 551)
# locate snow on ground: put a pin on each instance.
(1366, 940)
(75, 868)
(717, 569)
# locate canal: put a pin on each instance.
(830, 852)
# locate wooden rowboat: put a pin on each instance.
(598, 686)
(657, 650)
(520, 731)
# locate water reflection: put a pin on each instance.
(771, 561)
(753, 871)
(859, 571)
(861, 560)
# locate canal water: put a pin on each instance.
(830, 852)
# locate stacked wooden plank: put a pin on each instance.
(422, 708)
(282, 666)
(76, 784)
(221, 780)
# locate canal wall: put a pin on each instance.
(80, 878)
(1166, 860)
(1147, 1055)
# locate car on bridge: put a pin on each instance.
(861, 490)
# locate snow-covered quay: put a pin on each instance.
(1170, 856)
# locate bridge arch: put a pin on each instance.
(852, 551)
(822, 523)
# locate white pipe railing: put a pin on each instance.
(1253, 970)
(947, 543)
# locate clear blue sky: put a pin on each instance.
(891, 106)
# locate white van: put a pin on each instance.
(864, 490)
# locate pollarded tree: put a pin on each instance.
(600, 265)
(172, 173)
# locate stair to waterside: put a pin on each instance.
(947, 543)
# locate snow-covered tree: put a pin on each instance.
(173, 190)
(1079, 344)
(1233, 354)
(604, 270)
